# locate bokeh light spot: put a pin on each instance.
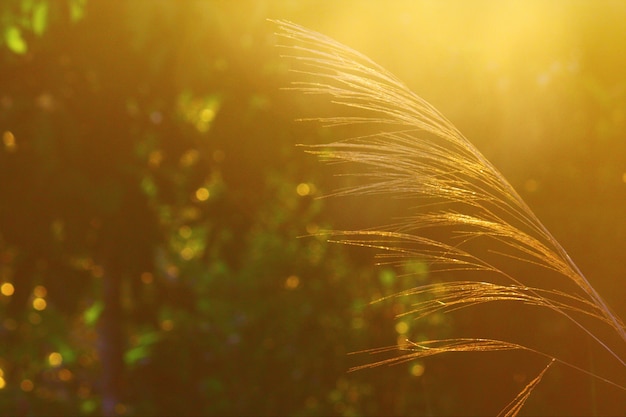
(147, 278)
(417, 369)
(65, 375)
(27, 385)
(34, 318)
(39, 304)
(402, 327)
(7, 289)
(303, 189)
(187, 253)
(207, 115)
(2, 383)
(9, 141)
(55, 359)
(312, 228)
(292, 282)
(155, 158)
(202, 194)
(185, 232)
(189, 158)
(40, 291)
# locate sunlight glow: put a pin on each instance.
(2, 383)
(7, 289)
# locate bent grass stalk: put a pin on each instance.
(416, 152)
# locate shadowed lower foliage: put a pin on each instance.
(466, 218)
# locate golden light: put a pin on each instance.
(2, 383)
(202, 194)
(27, 385)
(55, 359)
(292, 282)
(40, 291)
(9, 141)
(39, 304)
(7, 289)
(417, 369)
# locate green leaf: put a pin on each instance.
(92, 313)
(135, 354)
(89, 406)
(40, 18)
(142, 349)
(14, 40)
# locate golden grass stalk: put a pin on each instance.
(411, 150)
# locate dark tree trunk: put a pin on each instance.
(111, 342)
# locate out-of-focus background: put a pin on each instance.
(152, 203)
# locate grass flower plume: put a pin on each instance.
(405, 148)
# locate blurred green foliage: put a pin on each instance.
(152, 214)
